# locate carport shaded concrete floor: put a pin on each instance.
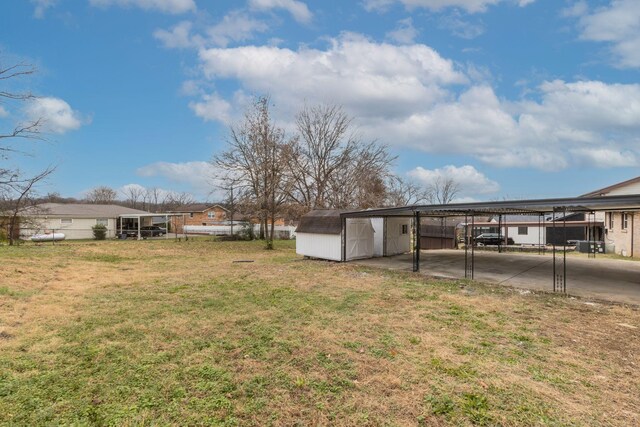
(600, 278)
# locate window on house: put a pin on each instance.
(625, 220)
(404, 229)
(523, 231)
(102, 221)
(190, 214)
(610, 220)
(66, 221)
(211, 215)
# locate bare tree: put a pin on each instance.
(101, 195)
(330, 167)
(256, 157)
(443, 190)
(175, 200)
(133, 194)
(326, 146)
(15, 200)
(17, 189)
(401, 192)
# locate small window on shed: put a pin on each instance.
(190, 214)
(523, 231)
(66, 221)
(102, 221)
(404, 229)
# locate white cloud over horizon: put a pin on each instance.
(617, 25)
(411, 96)
(198, 175)
(470, 6)
(298, 9)
(174, 7)
(470, 181)
(56, 115)
(41, 7)
(405, 32)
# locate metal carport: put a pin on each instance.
(558, 208)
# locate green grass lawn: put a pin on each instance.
(177, 333)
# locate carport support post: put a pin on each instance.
(500, 241)
(139, 235)
(416, 243)
(343, 255)
(564, 253)
(553, 218)
(466, 246)
(473, 243)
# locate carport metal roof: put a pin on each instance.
(534, 206)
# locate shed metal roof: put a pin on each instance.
(321, 221)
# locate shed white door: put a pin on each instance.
(359, 239)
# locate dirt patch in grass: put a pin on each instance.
(164, 332)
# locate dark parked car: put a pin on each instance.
(147, 231)
(491, 239)
(152, 231)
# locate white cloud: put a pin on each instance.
(618, 25)
(3, 112)
(297, 9)
(577, 9)
(56, 115)
(236, 26)
(178, 37)
(199, 175)
(367, 77)
(405, 33)
(469, 179)
(460, 27)
(165, 6)
(410, 96)
(42, 6)
(606, 157)
(212, 108)
(470, 6)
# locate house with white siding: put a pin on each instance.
(75, 220)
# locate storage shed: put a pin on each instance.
(319, 235)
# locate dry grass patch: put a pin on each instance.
(164, 332)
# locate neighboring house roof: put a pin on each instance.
(321, 221)
(80, 210)
(606, 190)
(199, 207)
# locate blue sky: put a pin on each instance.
(512, 98)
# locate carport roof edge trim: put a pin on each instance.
(532, 206)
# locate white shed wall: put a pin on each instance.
(324, 246)
(329, 246)
(378, 236)
(398, 243)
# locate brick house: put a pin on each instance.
(622, 229)
(201, 214)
